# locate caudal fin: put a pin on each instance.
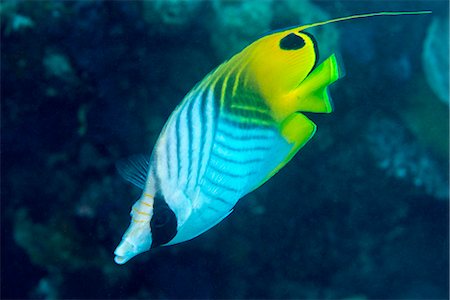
(312, 94)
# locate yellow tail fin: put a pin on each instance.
(312, 94)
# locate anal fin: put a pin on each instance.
(311, 95)
(297, 130)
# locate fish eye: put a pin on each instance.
(162, 218)
(163, 225)
(292, 42)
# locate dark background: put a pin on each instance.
(360, 212)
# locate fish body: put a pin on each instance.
(231, 133)
(222, 142)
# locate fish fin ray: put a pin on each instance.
(134, 169)
(312, 94)
(297, 130)
(186, 233)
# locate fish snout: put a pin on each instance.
(124, 252)
(136, 240)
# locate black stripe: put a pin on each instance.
(214, 209)
(229, 174)
(255, 114)
(203, 131)
(214, 117)
(251, 100)
(316, 49)
(190, 133)
(248, 161)
(221, 186)
(154, 158)
(240, 149)
(217, 93)
(241, 138)
(177, 133)
(228, 95)
(168, 148)
(211, 195)
(216, 107)
(249, 121)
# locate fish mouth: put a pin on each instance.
(120, 260)
(136, 240)
(124, 252)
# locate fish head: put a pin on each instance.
(154, 222)
(138, 237)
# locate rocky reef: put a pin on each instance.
(361, 211)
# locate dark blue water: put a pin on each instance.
(361, 212)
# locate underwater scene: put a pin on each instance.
(88, 89)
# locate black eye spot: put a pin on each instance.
(163, 223)
(292, 42)
(162, 218)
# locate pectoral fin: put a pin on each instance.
(297, 129)
(134, 169)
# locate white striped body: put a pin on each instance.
(231, 133)
(216, 147)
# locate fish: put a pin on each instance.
(230, 134)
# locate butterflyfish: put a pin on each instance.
(231, 133)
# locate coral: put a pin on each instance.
(435, 57)
(57, 64)
(426, 117)
(238, 23)
(52, 245)
(12, 19)
(47, 288)
(403, 158)
(171, 14)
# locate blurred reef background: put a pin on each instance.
(361, 212)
